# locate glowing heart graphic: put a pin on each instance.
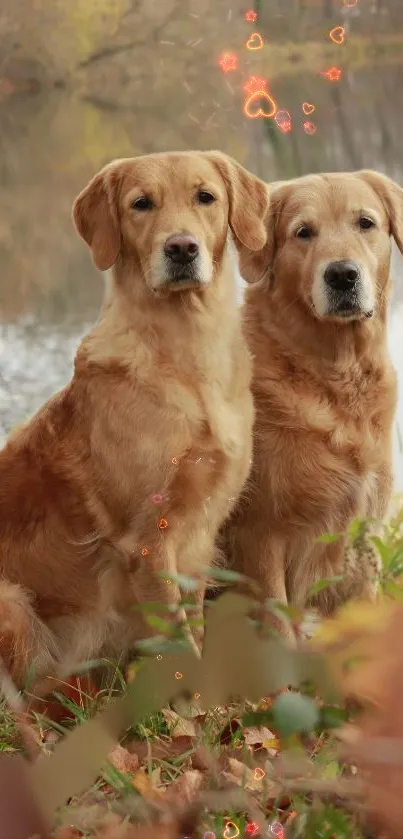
(308, 108)
(283, 120)
(309, 127)
(260, 104)
(231, 831)
(337, 34)
(255, 42)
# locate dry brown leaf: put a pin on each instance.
(201, 758)
(161, 749)
(186, 787)
(265, 665)
(123, 760)
(257, 736)
(376, 744)
(251, 779)
(356, 634)
(144, 785)
(179, 726)
(272, 746)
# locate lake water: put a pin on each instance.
(169, 91)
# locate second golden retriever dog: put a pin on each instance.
(129, 471)
(323, 385)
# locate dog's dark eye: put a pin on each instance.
(142, 204)
(366, 223)
(304, 232)
(205, 197)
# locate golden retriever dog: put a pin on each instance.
(323, 386)
(128, 473)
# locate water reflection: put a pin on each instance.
(129, 99)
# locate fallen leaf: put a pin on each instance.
(356, 649)
(186, 787)
(178, 726)
(375, 743)
(201, 758)
(144, 785)
(351, 618)
(257, 736)
(161, 749)
(123, 760)
(260, 667)
(251, 779)
(272, 746)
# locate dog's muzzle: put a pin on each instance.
(181, 254)
(344, 287)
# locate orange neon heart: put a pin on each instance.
(231, 831)
(337, 34)
(255, 42)
(254, 107)
(308, 108)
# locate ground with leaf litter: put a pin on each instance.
(289, 764)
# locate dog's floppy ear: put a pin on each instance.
(392, 196)
(96, 218)
(248, 201)
(255, 267)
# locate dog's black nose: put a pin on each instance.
(342, 276)
(181, 248)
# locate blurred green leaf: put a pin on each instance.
(357, 528)
(288, 613)
(322, 584)
(395, 567)
(294, 712)
(384, 551)
(161, 644)
(155, 607)
(195, 622)
(165, 627)
(257, 718)
(331, 716)
(328, 822)
(392, 589)
(331, 769)
(182, 580)
(329, 537)
(225, 575)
